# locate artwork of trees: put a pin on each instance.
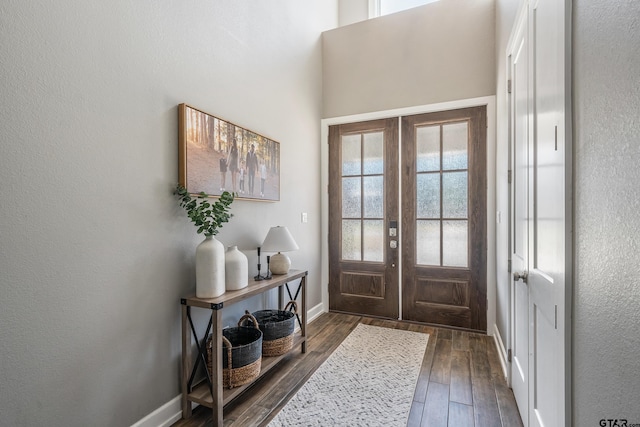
(205, 140)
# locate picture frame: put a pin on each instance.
(216, 155)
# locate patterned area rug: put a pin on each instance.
(369, 380)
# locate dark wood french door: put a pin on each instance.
(442, 228)
(444, 238)
(363, 218)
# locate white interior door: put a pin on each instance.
(520, 110)
(547, 217)
(539, 222)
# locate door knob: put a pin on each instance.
(521, 276)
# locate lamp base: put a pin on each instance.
(280, 264)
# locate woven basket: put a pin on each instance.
(277, 328)
(241, 354)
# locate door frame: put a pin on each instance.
(490, 103)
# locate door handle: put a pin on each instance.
(521, 276)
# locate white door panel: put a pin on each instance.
(539, 222)
(544, 401)
(547, 222)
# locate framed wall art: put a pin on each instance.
(216, 156)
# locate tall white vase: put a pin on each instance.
(236, 269)
(210, 281)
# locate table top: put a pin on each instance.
(255, 287)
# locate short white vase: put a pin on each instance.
(210, 280)
(236, 269)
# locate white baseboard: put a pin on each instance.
(312, 315)
(315, 312)
(171, 411)
(502, 352)
(164, 416)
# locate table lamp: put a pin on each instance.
(279, 240)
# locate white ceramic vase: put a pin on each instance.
(236, 269)
(210, 277)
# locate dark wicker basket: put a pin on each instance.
(277, 328)
(241, 354)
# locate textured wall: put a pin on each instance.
(439, 52)
(95, 251)
(607, 201)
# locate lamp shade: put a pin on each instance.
(279, 240)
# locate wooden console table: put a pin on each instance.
(211, 393)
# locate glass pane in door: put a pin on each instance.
(428, 248)
(351, 155)
(373, 160)
(351, 240)
(454, 194)
(442, 188)
(351, 198)
(428, 195)
(454, 243)
(373, 240)
(428, 148)
(454, 146)
(363, 229)
(373, 196)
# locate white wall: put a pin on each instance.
(95, 250)
(606, 88)
(435, 53)
(351, 11)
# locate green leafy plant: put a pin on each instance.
(207, 216)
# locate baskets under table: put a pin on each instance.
(277, 327)
(241, 353)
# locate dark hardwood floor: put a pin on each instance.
(460, 384)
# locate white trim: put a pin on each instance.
(518, 23)
(405, 111)
(492, 281)
(171, 411)
(164, 416)
(570, 218)
(374, 8)
(324, 214)
(502, 352)
(315, 312)
(312, 315)
(490, 102)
